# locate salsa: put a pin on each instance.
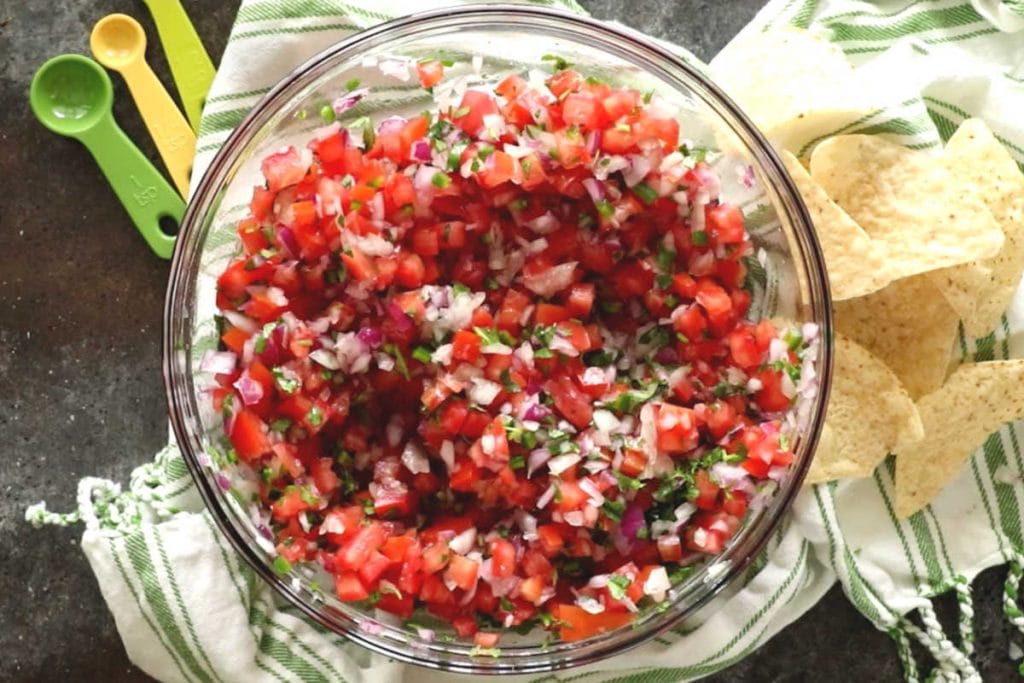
(493, 361)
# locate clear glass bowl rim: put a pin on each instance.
(642, 48)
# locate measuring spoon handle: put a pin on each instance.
(190, 64)
(174, 139)
(146, 196)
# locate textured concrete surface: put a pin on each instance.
(80, 389)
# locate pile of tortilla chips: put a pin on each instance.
(916, 243)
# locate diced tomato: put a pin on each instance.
(349, 587)
(249, 435)
(282, 169)
(549, 314)
(677, 429)
(462, 572)
(499, 168)
(386, 431)
(430, 72)
(770, 397)
(503, 558)
(466, 346)
(572, 403)
(575, 623)
(475, 105)
(359, 265)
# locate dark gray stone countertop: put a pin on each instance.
(81, 303)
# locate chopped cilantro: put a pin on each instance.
(441, 180)
(508, 383)
(315, 416)
(617, 586)
(478, 651)
(460, 112)
(627, 483)
(368, 507)
(422, 354)
(793, 338)
(598, 358)
(488, 335)
(699, 238)
(392, 349)
(280, 425)
(664, 282)
(517, 462)
(605, 208)
(288, 385)
(352, 84)
(327, 113)
(281, 566)
(614, 509)
(628, 401)
(656, 336)
(557, 63)
(666, 259)
(459, 288)
(543, 353)
(645, 192)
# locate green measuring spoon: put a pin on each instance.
(72, 96)
(190, 64)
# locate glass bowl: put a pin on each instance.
(787, 280)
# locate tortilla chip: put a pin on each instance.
(981, 291)
(869, 415)
(909, 326)
(976, 400)
(856, 266)
(908, 202)
(795, 86)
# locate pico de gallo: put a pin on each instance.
(493, 361)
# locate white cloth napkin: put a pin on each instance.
(188, 609)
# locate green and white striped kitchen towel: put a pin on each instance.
(189, 610)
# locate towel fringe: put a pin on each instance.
(953, 663)
(1011, 593)
(103, 505)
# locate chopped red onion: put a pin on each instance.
(348, 100)
(225, 484)
(218, 362)
(594, 188)
(391, 125)
(464, 542)
(708, 179)
(241, 322)
(420, 151)
(249, 389)
(287, 238)
(632, 520)
(546, 497)
(398, 316)
(551, 281)
(594, 138)
(371, 336)
(536, 460)
(544, 224)
(639, 167)
(396, 68)
(536, 412)
(589, 488)
(561, 463)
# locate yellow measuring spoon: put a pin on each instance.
(119, 43)
(190, 64)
